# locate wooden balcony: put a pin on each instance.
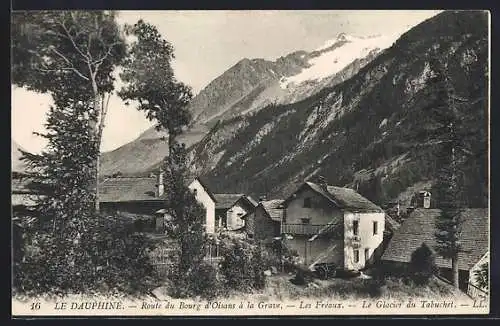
(302, 229)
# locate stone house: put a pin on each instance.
(264, 223)
(419, 227)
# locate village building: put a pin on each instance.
(328, 224)
(22, 202)
(474, 288)
(141, 199)
(419, 227)
(21, 196)
(264, 224)
(223, 210)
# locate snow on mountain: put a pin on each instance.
(330, 62)
(342, 37)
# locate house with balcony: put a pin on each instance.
(329, 224)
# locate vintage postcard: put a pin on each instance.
(211, 163)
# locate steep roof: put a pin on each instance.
(419, 227)
(252, 201)
(204, 183)
(391, 224)
(223, 201)
(345, 198)
(128, 189)
(273, 208)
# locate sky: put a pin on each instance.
(206, 44)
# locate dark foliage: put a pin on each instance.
(149, 79)
(482, 276)
(70, 55)
(243, 264)
(422, 265)
(109, 258)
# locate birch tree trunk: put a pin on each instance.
(455, 271)
(96, 126)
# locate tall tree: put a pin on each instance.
(76, 249)
(69, 55)
(444, 113)
(62, 176)
(149, 81)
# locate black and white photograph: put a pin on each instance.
(250, 162)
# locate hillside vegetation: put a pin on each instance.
(368, 132)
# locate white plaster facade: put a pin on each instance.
(234, 214)
(204, 198)
(368, 239)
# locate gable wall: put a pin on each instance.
(203, 197)
(234, 215)
(321, 212)
(261, 226)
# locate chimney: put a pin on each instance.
(160, 187)
(425, 198)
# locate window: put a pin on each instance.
(375, 227)
(367, 254)
(307, 202)
(355, 227)
(305, 220)
(356, 255)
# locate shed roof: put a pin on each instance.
(273, 208)
(223, 201)
(419, 227)
(252, 201)
(391, 224)
(128, 189)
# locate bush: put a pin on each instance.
(243, 264)
(302, 276)
(282, 256)
(106, 257)
(422, 265)
(203, 282)
(481, 276)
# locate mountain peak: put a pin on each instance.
(344, 37)
(341, 38)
